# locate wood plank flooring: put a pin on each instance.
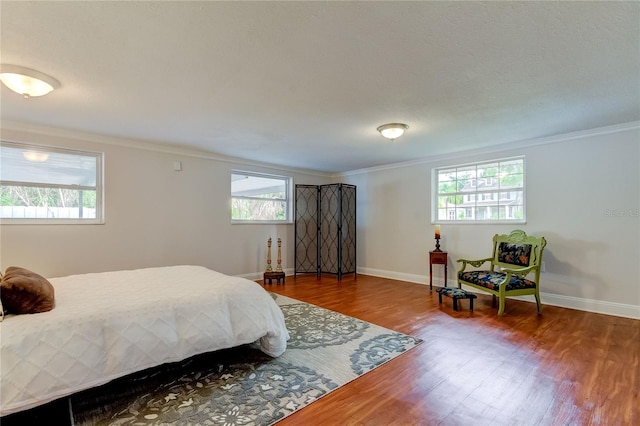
(564, 367)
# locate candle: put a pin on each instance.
(437, 232)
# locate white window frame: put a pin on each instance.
(98, 188)
(288, 199)
(475, 194)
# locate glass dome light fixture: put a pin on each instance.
(26, 81)
(392, 131)
(36, 156)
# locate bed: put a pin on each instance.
(107, 325)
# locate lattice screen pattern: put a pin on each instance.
(326, 229)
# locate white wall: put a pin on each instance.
(583, 196)
(573, 183)
(190, 223)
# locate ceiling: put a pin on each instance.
(305, 84)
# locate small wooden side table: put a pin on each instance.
(437, 258)
(273, 275)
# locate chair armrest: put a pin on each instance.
(475, 263)
(520, 272)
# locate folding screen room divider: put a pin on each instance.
(325, 229)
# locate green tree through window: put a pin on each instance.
(486, 191)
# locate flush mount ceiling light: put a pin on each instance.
(392, 130)
(26, 81)
(35, 156)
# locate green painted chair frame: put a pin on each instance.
(507, 273)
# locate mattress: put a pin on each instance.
(107, 325)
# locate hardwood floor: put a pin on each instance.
(564, 367)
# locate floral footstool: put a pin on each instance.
(456, 294)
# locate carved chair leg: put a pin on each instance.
(501, 308)
(538, 303)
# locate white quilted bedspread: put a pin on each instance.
(107, 325)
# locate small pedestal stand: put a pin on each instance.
(270, 274)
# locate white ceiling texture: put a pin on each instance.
(305, 84)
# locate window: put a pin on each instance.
(49, 185)
(259, 197)
(491, 191)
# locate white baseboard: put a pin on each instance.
(588, 305)
(401, 276)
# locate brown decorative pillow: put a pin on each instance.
(25, 292)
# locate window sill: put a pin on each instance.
(51, 222)
(262, 222)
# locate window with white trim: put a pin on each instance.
(490, 191)
(259, 197)
(49, 185)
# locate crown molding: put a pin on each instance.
(190, 152)
(144, 145)
(634, 125)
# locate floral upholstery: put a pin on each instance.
(456, 293)
(515, 254)
(516, 259)
(492, 280)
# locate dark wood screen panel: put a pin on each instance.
(334, 219)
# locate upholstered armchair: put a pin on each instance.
(512, 270)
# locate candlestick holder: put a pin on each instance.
(269, 269)
(279, 265)
(437, 245)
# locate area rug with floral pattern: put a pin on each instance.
(243, 386)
